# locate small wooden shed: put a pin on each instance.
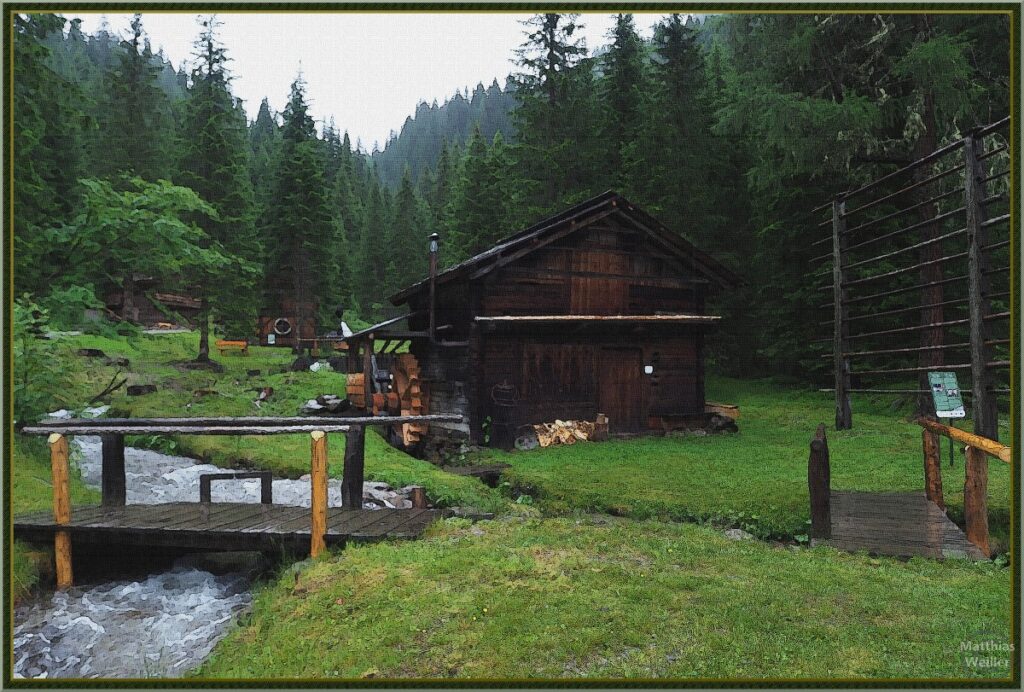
(599, 309)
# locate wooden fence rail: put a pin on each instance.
(113, 430)
(931, 223)
(975, 474)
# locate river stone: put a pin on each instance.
(738, 535)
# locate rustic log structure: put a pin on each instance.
(919, 277)
(599, 309)
(142, 301)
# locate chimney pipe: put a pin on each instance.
(434, 243)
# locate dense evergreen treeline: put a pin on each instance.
(729, 130)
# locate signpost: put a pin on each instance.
(948, 402)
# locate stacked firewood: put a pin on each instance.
(564, 432)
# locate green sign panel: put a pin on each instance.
(946, 395)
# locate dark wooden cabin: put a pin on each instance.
(599, 309)
(148, 305)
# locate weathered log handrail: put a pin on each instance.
(975, 474)
(261, 421)
(990, 447)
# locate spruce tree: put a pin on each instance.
(623, 92)
(214, 163)
(546, 141)
(135, 123)
(47, 155)
(302, 230)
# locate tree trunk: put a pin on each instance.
(204, 334)
(128, 310)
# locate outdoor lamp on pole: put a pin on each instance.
(434, 244)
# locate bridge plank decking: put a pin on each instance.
(896, 524)
(223, 526)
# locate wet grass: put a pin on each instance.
(755, 479)
(613, 598)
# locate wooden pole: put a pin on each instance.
(975, 501)
(984, 407)
(318, 493)
(996, 449)
(841, 330)
(819, 484)
(352, 475)
(113, 479)
(418, 496)
(368, 372)
(61, 508)
(932, 468)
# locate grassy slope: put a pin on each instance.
(609, 597)
(756, 478)
(32, 491)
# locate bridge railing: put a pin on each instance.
(113, 430)
(978, 450)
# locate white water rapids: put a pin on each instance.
(167, 623)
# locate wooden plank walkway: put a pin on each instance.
(896, 524)
(223, 526)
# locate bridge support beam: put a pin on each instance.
(61, 508)
(318, 493)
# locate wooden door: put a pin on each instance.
(621, 391)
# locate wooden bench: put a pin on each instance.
(224, 345)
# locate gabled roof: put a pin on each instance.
(583, 214)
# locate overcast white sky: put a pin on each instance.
(367, 69)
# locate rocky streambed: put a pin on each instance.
(158, 625)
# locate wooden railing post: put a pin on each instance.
(840, 327)
(113, 480)
(975, 502)
(819, 484)
(61, 508)
(932, 468)
(352, 475)
(983, 404)
(318, 493)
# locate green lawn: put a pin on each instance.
(581, 592)
(610, 598)
(757, 478)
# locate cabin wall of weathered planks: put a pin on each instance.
(575, 370)
(603, 269)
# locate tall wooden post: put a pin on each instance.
(932, 468)
(840, 327)
(819, 485)
(983, 404)
(318, 493)
(113, 479)
(975, 501)
(368, 372)
(61, 508)
(352, 475)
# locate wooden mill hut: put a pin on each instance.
(598, 309)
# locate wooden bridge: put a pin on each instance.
(906, 524)
(209, 526)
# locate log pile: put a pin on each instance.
(564, 432)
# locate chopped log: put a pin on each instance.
(975, 501)
(318, 493)
(113, 478)
(932, 468)
(819, 484)
(61, 508)
(352, 474)
(418, 496)
(728, 410)
(996, 449)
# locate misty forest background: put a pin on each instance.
(729, 129)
